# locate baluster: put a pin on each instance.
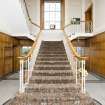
(25, 71)
(28, 69)
(21, 89)
(84, 80)
(83, 76)
(76, 73)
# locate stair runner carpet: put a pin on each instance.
(52, 81)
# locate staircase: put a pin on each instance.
(52, 81)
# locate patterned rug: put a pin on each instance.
(9, 101)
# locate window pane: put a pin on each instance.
(47, 6)
(52, 6)
(47, 16)
(46, 25)
(57, 16)
(57, 7)
(52, 22)
(57, 25)
(52, 16)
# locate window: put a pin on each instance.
(52, 15)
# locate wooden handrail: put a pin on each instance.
(29, 18)
(73, 49)
(31, 50)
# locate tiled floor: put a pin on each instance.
(8, 89)
(95, 87)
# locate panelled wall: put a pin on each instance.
(9, 51)
(94, 48)
(96, 52)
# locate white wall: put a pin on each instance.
(52, 35)
(73, 8)
(12, 20)
(34, 13)
(87, 4)
(34, 10)
(98, 14)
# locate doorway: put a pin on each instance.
(89, 20)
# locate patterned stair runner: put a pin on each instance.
(52, 81)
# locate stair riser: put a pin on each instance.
(53, 43)
(56, 63)
(54, 55)
(51, 92)
(51, 78)
(52, 52)
(52, 68)
(52, 71)
(52, 47)
(51, 59)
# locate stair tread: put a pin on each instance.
(52, 71)
(50, 78)
(52, 65)
(52, 74)
(52, 81)
(52, 68)
(55, 86)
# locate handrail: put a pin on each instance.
(26, 67)
(31, 50)
(77, 65)
(73, 49)
(67, 25)
(29, 15)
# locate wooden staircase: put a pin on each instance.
(52, 81)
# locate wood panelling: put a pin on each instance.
(95, 50)
(62, 14)
(9, 51)
(89, 14)
(42, 14)
(7, 54)
(24, 42)
(79, 42)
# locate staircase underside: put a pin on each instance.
(52, 81)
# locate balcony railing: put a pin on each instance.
(79, 27)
